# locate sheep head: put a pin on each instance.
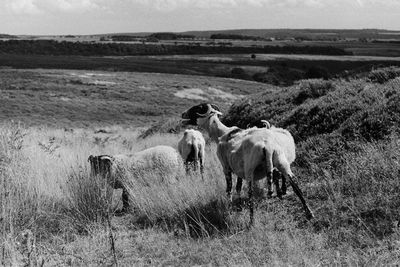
(100, 164)
(203, 110)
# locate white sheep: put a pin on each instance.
(251, 154)
(192, 149)
(164, 161)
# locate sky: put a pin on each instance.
(60, 17)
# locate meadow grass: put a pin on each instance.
(53, 212)
(49, 200)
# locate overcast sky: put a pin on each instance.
(110, 16)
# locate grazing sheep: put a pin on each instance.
(164, 161)
(251, 154)
(191, 147)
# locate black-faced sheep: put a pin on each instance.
(251, 154)
(164, 161)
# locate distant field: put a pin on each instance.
(267, 57)
(208, 65)
(77, 98)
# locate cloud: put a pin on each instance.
(80, 6)
(169, 5)
(35, 7)
(20, 7)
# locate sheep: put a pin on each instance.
(260, 124)
(165, 161)
(251, 154)
(191, 147)
(276, 174)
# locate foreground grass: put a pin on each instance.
(53, 213)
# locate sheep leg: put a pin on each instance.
(239, 183)
(251, 204)
(201, 168)
(187, 167)
(269, 184)
(283, 187)
(276, 175)
(195, 163)
(125, 200)
(228, 178)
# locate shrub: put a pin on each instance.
(317, 72)
(239, 73)
(383, 75)
(375, 123)
(278, 75)
(313, 89)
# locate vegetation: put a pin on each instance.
(73, 98)
(234, 37)
(170, 36)
(357, 109)
(53, 213)
(52, 47)
(383, 75)
(279, 71)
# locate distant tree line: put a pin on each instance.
(123, 38)
(234, 37)
(52, 47)
(7, 36)
(170, 36)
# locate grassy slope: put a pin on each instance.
(351, 184)
(69, 98)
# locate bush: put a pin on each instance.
(279, 75)
(316, 72)
(239, 73)
(313, 89)
(383, 75)
(375, 123)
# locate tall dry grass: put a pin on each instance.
(46, 188)
(54, 213)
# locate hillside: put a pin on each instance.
(54, 213)
(291, 33)
(77, 98)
